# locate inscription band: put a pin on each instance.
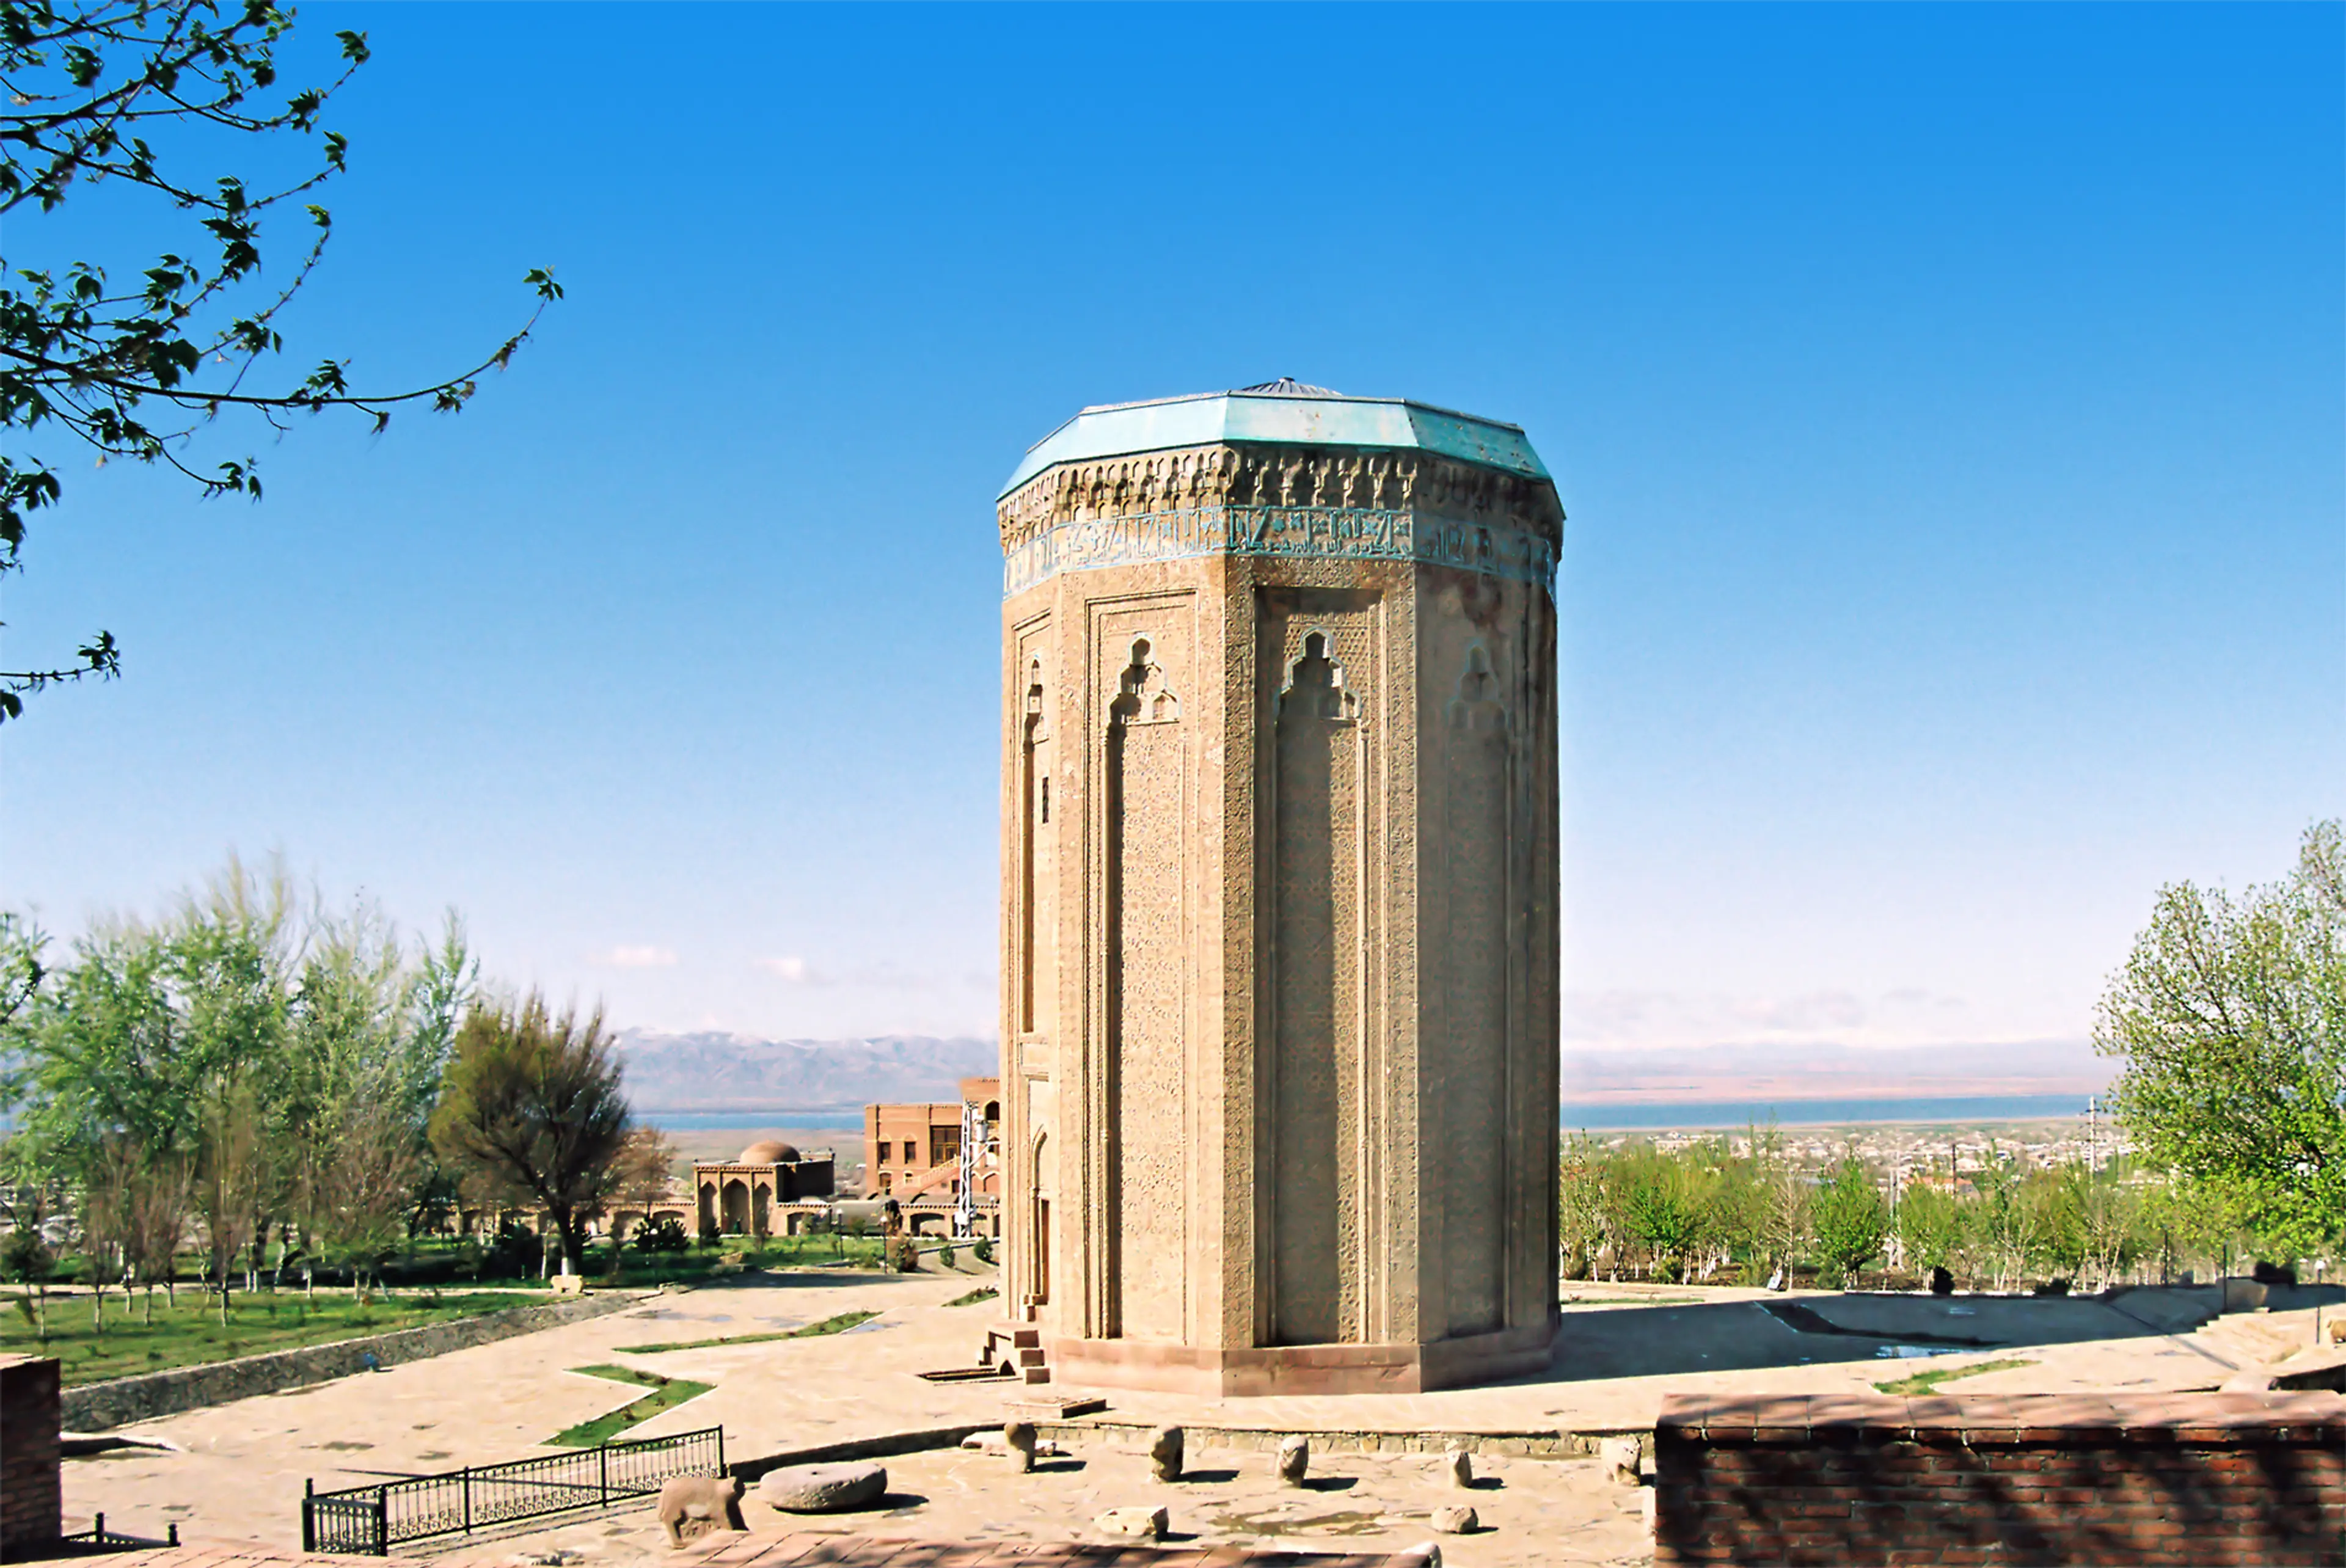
(1341, 532)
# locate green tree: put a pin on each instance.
(1850, 1219)
(533, 1103)
(100, 95)
(2192, 1224)
(25, 1259)
(1740, 1207)
(2007, 1228)
(1584, 1232)
(373, 1026)
(287, 1059)
(1663, 1199)
(2229, 1016)
(1931, 1225)
(1786, 1217)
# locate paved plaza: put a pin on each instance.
(235, 1472)
(1529, 1510)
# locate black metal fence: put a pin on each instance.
(98, 1538)
(371, 1519)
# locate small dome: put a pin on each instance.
(768, 1153)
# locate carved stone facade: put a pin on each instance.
(1279, 968)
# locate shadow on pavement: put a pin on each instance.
(1807, 1330)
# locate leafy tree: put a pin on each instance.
(287, 1059)
(1583, 1220)
(372, 1024)
(359, 1203)
(1662, 1201)
(533, 1103)
(2184, 1219)
(1785, 1217)
(1850, 1218)
(22, 973)
(26, 1260)
(1735, 1224)
(646, 1169)
(234, 1174)
(1930, 1227)
(2007, 1228)
(159, 1192)
(2230, 1018)
(96, 92)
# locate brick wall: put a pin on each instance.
(30, 1503)
(2131, 1479)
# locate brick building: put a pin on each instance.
(31, 1503)
(932, 1157)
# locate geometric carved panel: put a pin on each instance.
(1321, 756)
(1473, 1052)
(1145, 1164)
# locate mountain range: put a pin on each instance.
(713, 1071)
(719, 1071)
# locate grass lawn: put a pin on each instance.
(192, 1334)
(667, 1393)
(838, 1325)
(1928, 1382)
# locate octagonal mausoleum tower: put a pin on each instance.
(1280, 880)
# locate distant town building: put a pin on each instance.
(940, 1161)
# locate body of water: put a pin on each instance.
(1616, 1117)
(1639, 1116)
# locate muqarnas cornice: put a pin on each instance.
(1355, 504)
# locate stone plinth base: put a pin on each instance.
(1302, 1368)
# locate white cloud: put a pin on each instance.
(879, 977)
(637, 958)
(1908, 1015)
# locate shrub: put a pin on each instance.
(908, 1255)
(512, 1254)
(665, 1234)
(946, 1256)
(982, 1249)
(25, 1258)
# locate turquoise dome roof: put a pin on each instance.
(1280, 413)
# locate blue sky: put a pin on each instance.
(1947, 402)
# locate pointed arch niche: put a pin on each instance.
(1323, 1103)
(1145, 1170)
(1476, 774)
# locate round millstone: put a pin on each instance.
(823, 1488)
